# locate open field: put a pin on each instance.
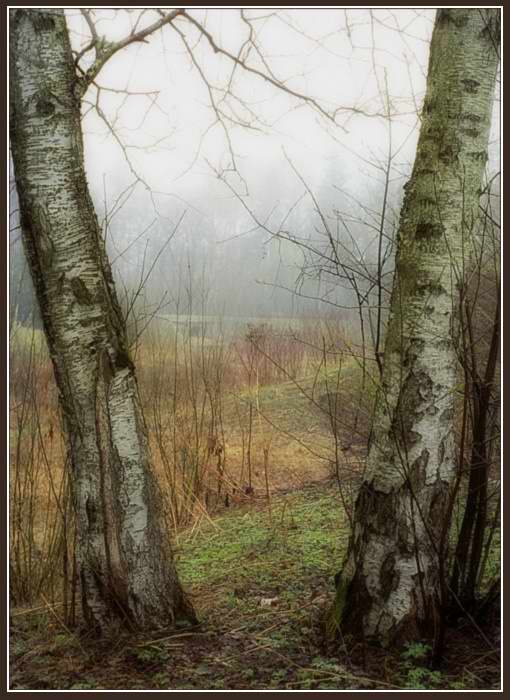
(228, 421)
(259, 462)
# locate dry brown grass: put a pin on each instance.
(229, 421)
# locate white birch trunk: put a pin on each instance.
(124, 556)
(389, 586)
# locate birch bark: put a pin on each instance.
(389, 587)
(124, 557)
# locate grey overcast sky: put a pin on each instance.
(341, 58)
(356, 63)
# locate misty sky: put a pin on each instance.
(342, 58)
(357, 63)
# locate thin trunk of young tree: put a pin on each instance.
(124, 558)
(390, 588)
(469, 550)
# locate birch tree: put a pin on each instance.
(124, 558)
(391, 585)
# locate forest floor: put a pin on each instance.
(261, 579)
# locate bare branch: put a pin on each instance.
(331, 116)
(105, 50)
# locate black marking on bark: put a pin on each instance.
(416, 391)
(366, 500)
(429, 105)
(352, 603)
(472, 133)
(44, 107)
(417, 472)
(456, 16)
(91, 511)
(388, 576)
(60, 283)
(89, 321)
(444, 343)
(469, 117)
(478, 155)
(433, 289)
(447, 415)
(449, 152)
(438, 506)
(425, 171)
(428, 230)
(42, 22)
(122, 360)
(425, 386)
(90, 619)
(471, 86)
(80, 291)
(386, 520)
(426, 201)
(41, 231)
(441, 451)
(106, 367)
(412, 437)
(405, 541)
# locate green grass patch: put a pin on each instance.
(305, 535)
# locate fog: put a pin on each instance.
(212, 175)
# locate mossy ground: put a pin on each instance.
(232, 566)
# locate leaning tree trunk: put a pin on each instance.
(124, 557)
(390, 587)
